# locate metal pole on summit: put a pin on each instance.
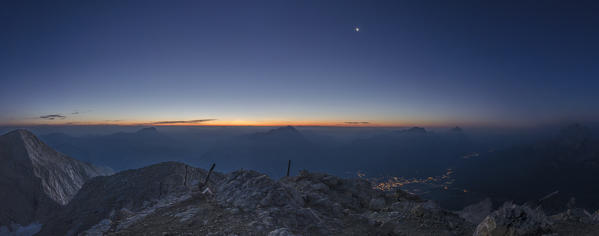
(209, 173)
(288, 167)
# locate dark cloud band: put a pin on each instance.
(53, 117)
(182, 121)
(357, 122)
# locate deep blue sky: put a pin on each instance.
(250, 62)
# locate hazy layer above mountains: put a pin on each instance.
(268, 148)
(132, 147)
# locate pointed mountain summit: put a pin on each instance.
(456, 129)
(288, 133)
(413, 130)
(149, 130)
(289, 130)
(35, 179)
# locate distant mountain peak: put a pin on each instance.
(416, 130)
(574, 136)
(288, 128)
(456, 129)
(281, 133)
(148, 130)
(288, 131)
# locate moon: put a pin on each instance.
(357, 29)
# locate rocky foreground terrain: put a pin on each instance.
(172, 198)
(167, 199)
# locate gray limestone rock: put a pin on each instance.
(36, 180)
(512, 220)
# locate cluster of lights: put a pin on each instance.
(392, 183)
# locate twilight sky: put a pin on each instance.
(298, 62)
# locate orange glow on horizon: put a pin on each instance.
(225, 123)
(240, 122)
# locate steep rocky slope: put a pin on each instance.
(103, 202)
(36, 180)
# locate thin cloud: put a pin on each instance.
(53, 117)
(73, 123)
(79, 112)
(357, 122)
(181, 121)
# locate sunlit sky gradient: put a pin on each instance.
(298, 62)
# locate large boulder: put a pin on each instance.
(477, 212)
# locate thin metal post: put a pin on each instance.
(209, 172)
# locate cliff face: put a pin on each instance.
(35, 179)
(135, 193)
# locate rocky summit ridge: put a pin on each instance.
(170, 199)
(167, 197)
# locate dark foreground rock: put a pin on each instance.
(165, 199)
(477, 212)
(168, 199)
(112, 203)
(512, 220)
